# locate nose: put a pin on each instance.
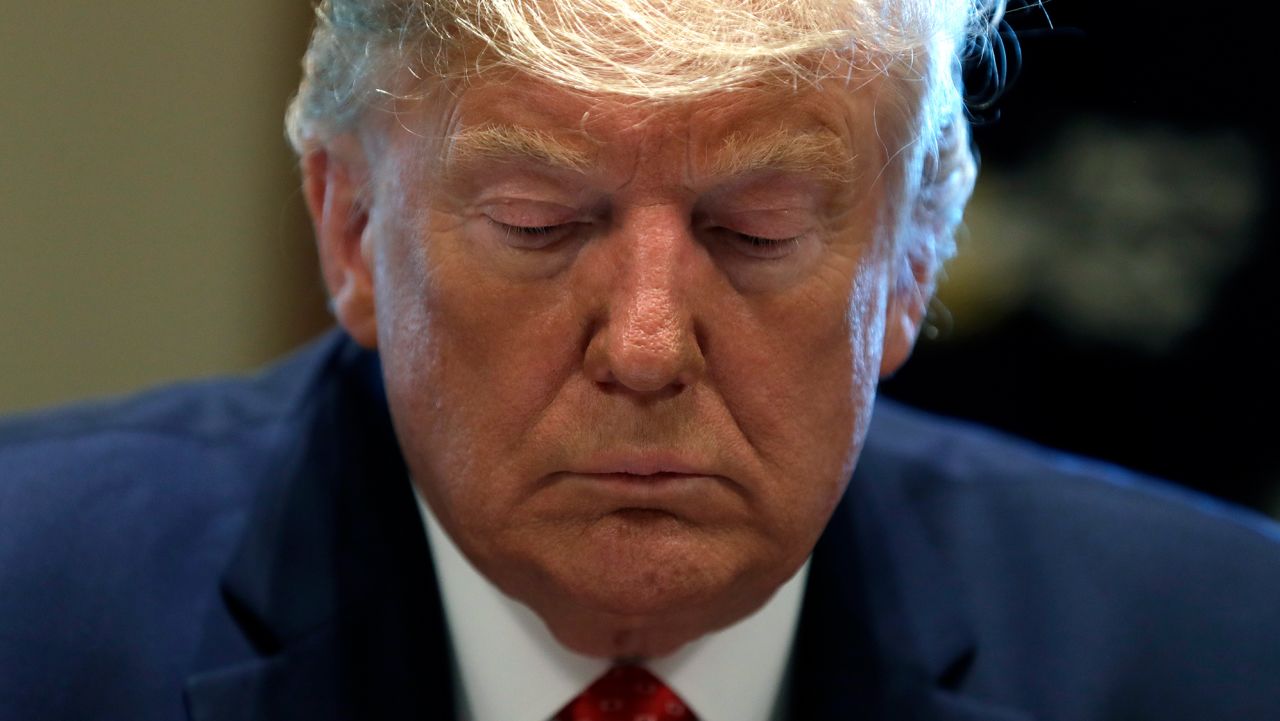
(647, 342)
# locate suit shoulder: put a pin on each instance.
(185, 442)
(963, 469)
(202, 410)
(118, 517)
(107, 483)
(152, 452)
(1072, 567)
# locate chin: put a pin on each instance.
(625, 642)
(627, 621)
(643, 567)
(650, 605)
(639, 594)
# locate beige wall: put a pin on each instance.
(150, 225)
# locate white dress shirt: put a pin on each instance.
(508, 666)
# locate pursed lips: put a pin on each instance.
(683, 485)
(642, 466)
(661, 481)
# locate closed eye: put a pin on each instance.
(762, 242)
(758, 246)
(529, 230)
(532, 237)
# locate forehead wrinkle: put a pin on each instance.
(820, 153)
(515, 143)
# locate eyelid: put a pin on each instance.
(530, 229)
(758, 248)
(766, 214)
(765, 239)
(764, 224)
(521, 213)
(532, 237)
(508, 202)
(771, 187)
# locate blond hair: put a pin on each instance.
(658, 50)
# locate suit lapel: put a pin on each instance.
(883, 634)
(330, 608)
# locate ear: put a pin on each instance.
(948, 173)
(335, 177)
(909, 298)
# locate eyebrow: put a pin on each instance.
(821, 153)
(513, 143)
(817, 152)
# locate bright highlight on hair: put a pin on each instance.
(647, 49)
(366, 53)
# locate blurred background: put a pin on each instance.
(1111, 296)
(150, 222)
(1114, 291)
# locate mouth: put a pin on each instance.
(648, 486)
(646, 478)
(645, 497)
(647, 467)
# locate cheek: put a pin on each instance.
(470, 361)
(800, 377)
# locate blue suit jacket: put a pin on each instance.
(250, 549)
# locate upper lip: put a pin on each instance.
(641, 464)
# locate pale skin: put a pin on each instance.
(629, 373)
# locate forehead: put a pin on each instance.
(830, 124)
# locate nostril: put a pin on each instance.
(654, 387)
(618, 361)
(646, 377)
(643, 341)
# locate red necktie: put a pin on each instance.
(626, 693)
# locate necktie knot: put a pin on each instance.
(626, 693)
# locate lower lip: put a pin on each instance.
(656, 497)
(646, 479)
(655, 490)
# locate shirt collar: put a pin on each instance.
(511, 668)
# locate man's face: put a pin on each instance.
(631, 350)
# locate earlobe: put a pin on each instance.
(908, 304)
(335, 177)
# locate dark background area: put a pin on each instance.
(1195, 405)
